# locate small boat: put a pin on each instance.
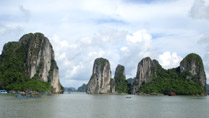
(3, 91)
(172, 94)
(128, 97)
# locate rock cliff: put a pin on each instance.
(112, 86)
(99, 82)
(37, 59)
(187, 79)
(145, 72)
(193, 65)
(121, 84)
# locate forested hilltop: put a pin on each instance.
(187, 79)
(29, 64)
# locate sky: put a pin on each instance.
(122, 31)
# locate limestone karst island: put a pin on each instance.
(187, 79)
(29, 65)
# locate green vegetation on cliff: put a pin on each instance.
(173, 80)
(121, 84)
(165, 85)
(131, 80)
(82, 88)
(30, 84)
(102, 62)
(14, 67)
(191, 57)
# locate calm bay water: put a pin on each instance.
(81, 105)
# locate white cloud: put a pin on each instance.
(206, 65)
(9, 32)
(139, 36)
(207, 76)
(204, 43)
(200, 9)
(123, 32)
(124, 49)
(75, 59)
(169, 60)
(86, 41)
(141, 39)
(137, 46)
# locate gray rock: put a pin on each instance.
(145, 72)
(112, 86)
(99, 82)
(193, 64)
(40, 59)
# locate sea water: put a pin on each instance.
(82, 105)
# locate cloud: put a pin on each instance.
(199, 10)
(25, 12)
(204, 43)
(75, 83)
(76, 59)
(138, 45)
(204, 40)
(9, 32)
(124, 49)
(206, 64)
(169, 60)
(110, 20)
(123, 31)
(141, 36)
(147, 1)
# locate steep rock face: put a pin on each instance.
(99, 82)
(40, 54)
(145, 72)
(193, 64)
(39, 61)
(121, 84)
(112, 86)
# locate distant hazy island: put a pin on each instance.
(29, 64)
(82, 88)
(187, 79)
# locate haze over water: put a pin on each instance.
(82, 105)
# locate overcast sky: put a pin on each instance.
(123, 31)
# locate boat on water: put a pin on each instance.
(3, 91)
(27, 96)
(172, 94)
